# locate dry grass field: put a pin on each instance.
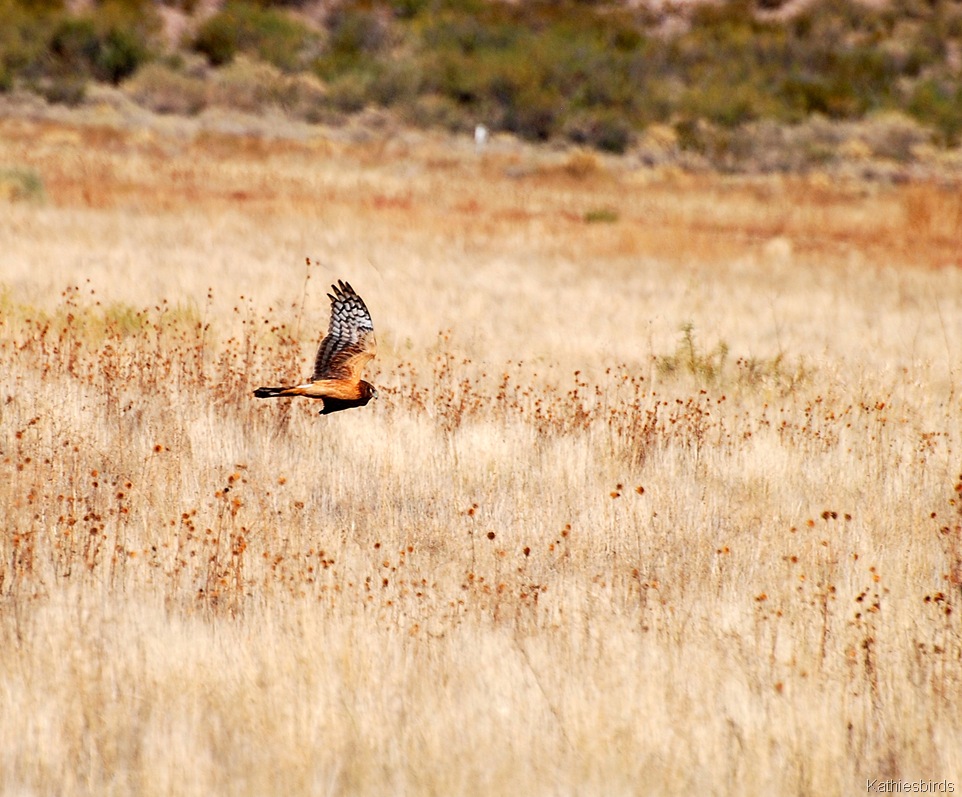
(659, 496)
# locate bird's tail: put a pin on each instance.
(272, 392)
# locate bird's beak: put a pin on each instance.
(374, 392)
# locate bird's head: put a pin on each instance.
(368, 391)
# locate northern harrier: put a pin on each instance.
(348, 346)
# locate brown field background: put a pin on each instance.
(659, 497)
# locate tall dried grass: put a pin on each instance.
(653, 506)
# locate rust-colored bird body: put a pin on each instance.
(347, 347)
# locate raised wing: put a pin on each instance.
(349, 344)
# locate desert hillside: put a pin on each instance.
(741, 86)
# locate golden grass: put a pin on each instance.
(664, 503)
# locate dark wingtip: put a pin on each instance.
(341, 289)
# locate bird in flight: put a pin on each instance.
(346, 348)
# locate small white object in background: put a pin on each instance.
(480, 137)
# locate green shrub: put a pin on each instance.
(23, 38)
(107, 44)
(939, 103)
(409, 9)
(21, 184)
(121, 53)
(350, 92)
(608, 132)
(264, 33)
(803, 94)
(356, 60)
(43, 7)
(396, 82)
(218, 39)
(357, 32)
(533, 115)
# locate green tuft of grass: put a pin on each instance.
(21, 184)
(706, 366)
(601, 216)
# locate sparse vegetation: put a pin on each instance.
(723, 76)
(706, 367)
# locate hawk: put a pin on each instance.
(346, 348)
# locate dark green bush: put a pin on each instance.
(349, 92)
(24, 34)
(606, 131)
(409, 9)
(74, 45)
(107, 44)
(218, 39)
(396, 82)
(938, 103)
(355, 33)
(120, 55)
(268, 34)
(358, 41)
